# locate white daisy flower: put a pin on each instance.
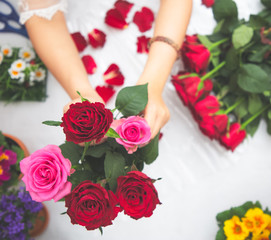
(38, 75)
(1, 57)
(27, 54)
(14, 74)
(18, 65)
(6, 50)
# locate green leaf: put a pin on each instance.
(256, 21)
(79, 176)
(269, 114)
(97, 150)
(252, 127)
(150, 152)
(232, 59)
(205, 40)
(112, 133)
(52, 123)
(220, 235)
(252, 78)
(114, 166)
(258, 53)
(254, 103)
(266, 3)
(82, 98)
(241, 110)
(132, 100)
(71, 151)
(242, 36)
(224, 9)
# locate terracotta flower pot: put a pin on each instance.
(40, 223)
(18, 142)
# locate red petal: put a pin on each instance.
(115, 19)
(89, 63)
(105, 92)
(124, 7)
(208, 3)
(144, 19)
(113, 75)
(96, 38)
(79, 41)
(142, 44)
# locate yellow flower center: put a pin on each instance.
(3, 156)
(15, 73)
(249, 224)
(1, 170)
(38, 74)
(237, 229)
(258, 222)
(6, 51)
(26, 54)
(19, 65)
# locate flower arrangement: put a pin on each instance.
(246, 222)
(225, 81)
(23, 75)
(10, 156)
(17, 214)
(98, 181)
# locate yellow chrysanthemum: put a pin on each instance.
(248, 224)
(263, 236)
(260, 219)
(234, 229)
(6, 51)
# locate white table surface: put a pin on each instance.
(199, 177)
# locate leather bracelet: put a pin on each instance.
(165, 40)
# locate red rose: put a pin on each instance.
(195, 55)
(214, 126)
(137, 194)
(187, 88)
(208, 3)
(90, 205)
(233, 137)
(205, 107)
(85, 121)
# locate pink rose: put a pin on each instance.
(134, 131)
(45, 174)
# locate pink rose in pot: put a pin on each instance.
(45, 174)
(134, 131)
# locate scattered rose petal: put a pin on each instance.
(96, 38)
(208, 3)
(89, 63)
(142, 44)
(144, 19)
(106, 92)
(124, 7)
(113, 75)
(79, 41)
(115, 19)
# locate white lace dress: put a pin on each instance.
(42, 8)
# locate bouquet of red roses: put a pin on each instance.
(225, 82)
(100, 180)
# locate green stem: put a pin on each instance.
(254, 116)
(228, 110)
(209, 74)
(188, 75)
(85, 150)
(217, 43)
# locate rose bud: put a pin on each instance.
(187, 88)
(124, 7)
(208, 3)
(90, 205)
(105, 92)
(115, 19)
(85, 122)
(79, 41)
(89, 64)
(137, 194)
(214, 126)
(144, 19)
(134, 132)
(113, 75)
(45, 174)
(142, 44)
(195, 56)
(233, 137)
(205, 107)
(96, 38)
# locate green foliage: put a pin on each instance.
(241, 36)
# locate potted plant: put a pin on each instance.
(20, 216)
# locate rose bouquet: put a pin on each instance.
(10, 156)
(17, 214)
(98, 181)
(225, 81)
(23, 75)
(245, 222)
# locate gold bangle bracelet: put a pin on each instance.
(165, 40)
